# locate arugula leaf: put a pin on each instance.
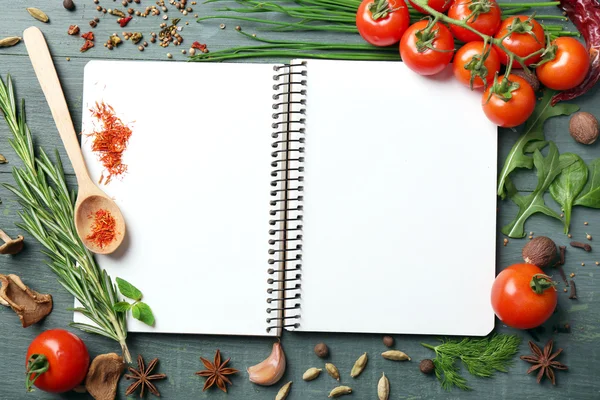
(590, 197)
(548, 168)
(128, 290)
(533, 132)
(569, 183)
(121, 306)
(142, 311)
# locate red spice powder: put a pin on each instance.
(110, 142)
(103, 228)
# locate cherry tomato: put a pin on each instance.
(464, 67)
(516, 303)
(65, 357)
(428, 61)
(390, 24)
(438, 5)
(521, 44)
(568, 69)
(487, 23)
(513, 112)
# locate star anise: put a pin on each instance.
(142, 377)
(544, 361)
(216, 372)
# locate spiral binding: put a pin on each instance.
(287, 199)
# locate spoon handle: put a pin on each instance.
(46, 74)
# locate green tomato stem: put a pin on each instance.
(36, 366)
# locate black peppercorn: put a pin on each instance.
(321, 350)
(427, 367)
(69, 5)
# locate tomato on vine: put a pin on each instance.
(438, 5)
(509, 102)
(523, 296)
(57, 361)
(382, 22)
(565, 64)
(523, 36)
(427, 48)
(475, 66)
(482, 15)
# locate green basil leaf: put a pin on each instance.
(533, 132)
(128, 290)
(548, 169)
(142, 311)
(590, 197)
(121, 306)
(567, 186)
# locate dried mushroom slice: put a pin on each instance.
(30, 306)
(10, 246)
(103, 376)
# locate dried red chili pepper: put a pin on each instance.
(199, 46)
(585, 15)
(124, 21)
(73, 30)
(86, 46)
(88, 35)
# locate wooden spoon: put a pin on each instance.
(89, 198)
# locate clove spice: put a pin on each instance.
(583, 246)
(560, 263)
(573, 295)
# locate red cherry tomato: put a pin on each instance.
(512, 112)
(521, 44)
(487, 23)
(427, 61)
(391, 22)
(438, 5)
(463, 66)
(516, 303)
(63, 355)
(568, 69)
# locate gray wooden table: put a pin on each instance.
(179, 354)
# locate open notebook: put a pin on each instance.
(307, 196)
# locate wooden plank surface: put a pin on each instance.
(180, 354)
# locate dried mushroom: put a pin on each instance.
(103, 376)
(30, 306)
(10, 246)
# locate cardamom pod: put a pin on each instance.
(38, 14)
(9, 41)
(118, 13)
(3, 159)
(311, 373)
(332, 371)
(359, 366)
(340, 391)
(395, 355)
(284, 391)
(383, 388)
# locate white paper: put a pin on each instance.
(196, 195)
(399, 203)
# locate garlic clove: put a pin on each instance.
(269, 371)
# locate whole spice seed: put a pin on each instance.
(395, 355)
(284, 391)
(540, 251)
(388, 341)
(69, 5)
(311, 374)
(427, 366)
(38, 14)
(573, 295)
(103, 228)
(321, 350)
(359, 365)
(383, 388)
(332, 371)
(136, 37)
(583, 127)
(118, 13)
(588, 236)
(3, 159)
(9, 41)
(580, 245)
(340, 391)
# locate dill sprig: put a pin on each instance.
(482, 357)
(48, 207)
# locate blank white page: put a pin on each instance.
(399, 203)
(196, 195)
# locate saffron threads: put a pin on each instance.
(110, 142)
(103, 228)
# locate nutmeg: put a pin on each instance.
(321, 350)
(583, 127)
(540, 251)
(427, 366)
(388, 341)
(69, 5)
(529, 77)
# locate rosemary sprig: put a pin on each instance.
(482, 357)
(47, 215)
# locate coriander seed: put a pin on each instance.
(141, 48)
(222, 26)
(192, 51)
(583, 264)
(99, 8)
(96, 19)
(585, 223)
(427, 366)
(68, 58)
(321, 350)
(169, 55)
(183, 51)
(588, 236)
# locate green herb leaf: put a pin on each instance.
(590, 197)
(121, 306)
(548, 168)
(142, 311)
(567, 186)
(128, 290)
(533, 132)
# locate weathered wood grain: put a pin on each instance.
(179, 353)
